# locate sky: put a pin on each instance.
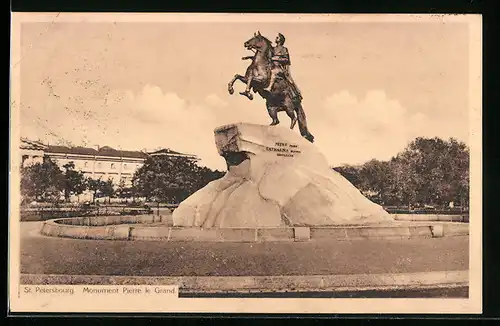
(369, 88)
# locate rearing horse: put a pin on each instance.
(281, 97)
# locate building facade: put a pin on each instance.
(31, 152)
(104, 163)
(97, 163)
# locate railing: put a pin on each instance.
(45, 213)
(436, 211)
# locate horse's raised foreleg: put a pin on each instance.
(236, 77)
(247, 90)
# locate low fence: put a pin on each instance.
(424, 211)
(136, 228)
(47, 213)
(431, 217)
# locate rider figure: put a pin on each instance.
(281, 63)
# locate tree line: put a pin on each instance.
(162, 178)
(171, 178)
(46, 182)
(429, 171)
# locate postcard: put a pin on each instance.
(245, 163)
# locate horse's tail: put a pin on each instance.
(301, 116)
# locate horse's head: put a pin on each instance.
(258, 43)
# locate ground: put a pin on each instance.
(46, 255)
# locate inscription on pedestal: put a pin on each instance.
(284, 149)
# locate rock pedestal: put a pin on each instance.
(275, 178)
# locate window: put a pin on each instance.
(99, 165)
(112, 165)
(125, 166)
(86, 164)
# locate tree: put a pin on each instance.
(206, 176)
(121, 188)
(405, 181)
(107, 188)
(457, 167)
(123, 191)
(41, 181)
(98, 186)
(440, 167)
(428, 171)
(73, 182)
(171, 178)
(351, 173)
(93, 185)
(374, 180)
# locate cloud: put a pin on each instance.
(354, 130)
(215, 101)
(163, 119)
(347, 129)
(151, 105)
(148, 119)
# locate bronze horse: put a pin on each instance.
(281, 97)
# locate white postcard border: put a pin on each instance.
(146, 304)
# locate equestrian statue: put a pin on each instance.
(269, 75)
